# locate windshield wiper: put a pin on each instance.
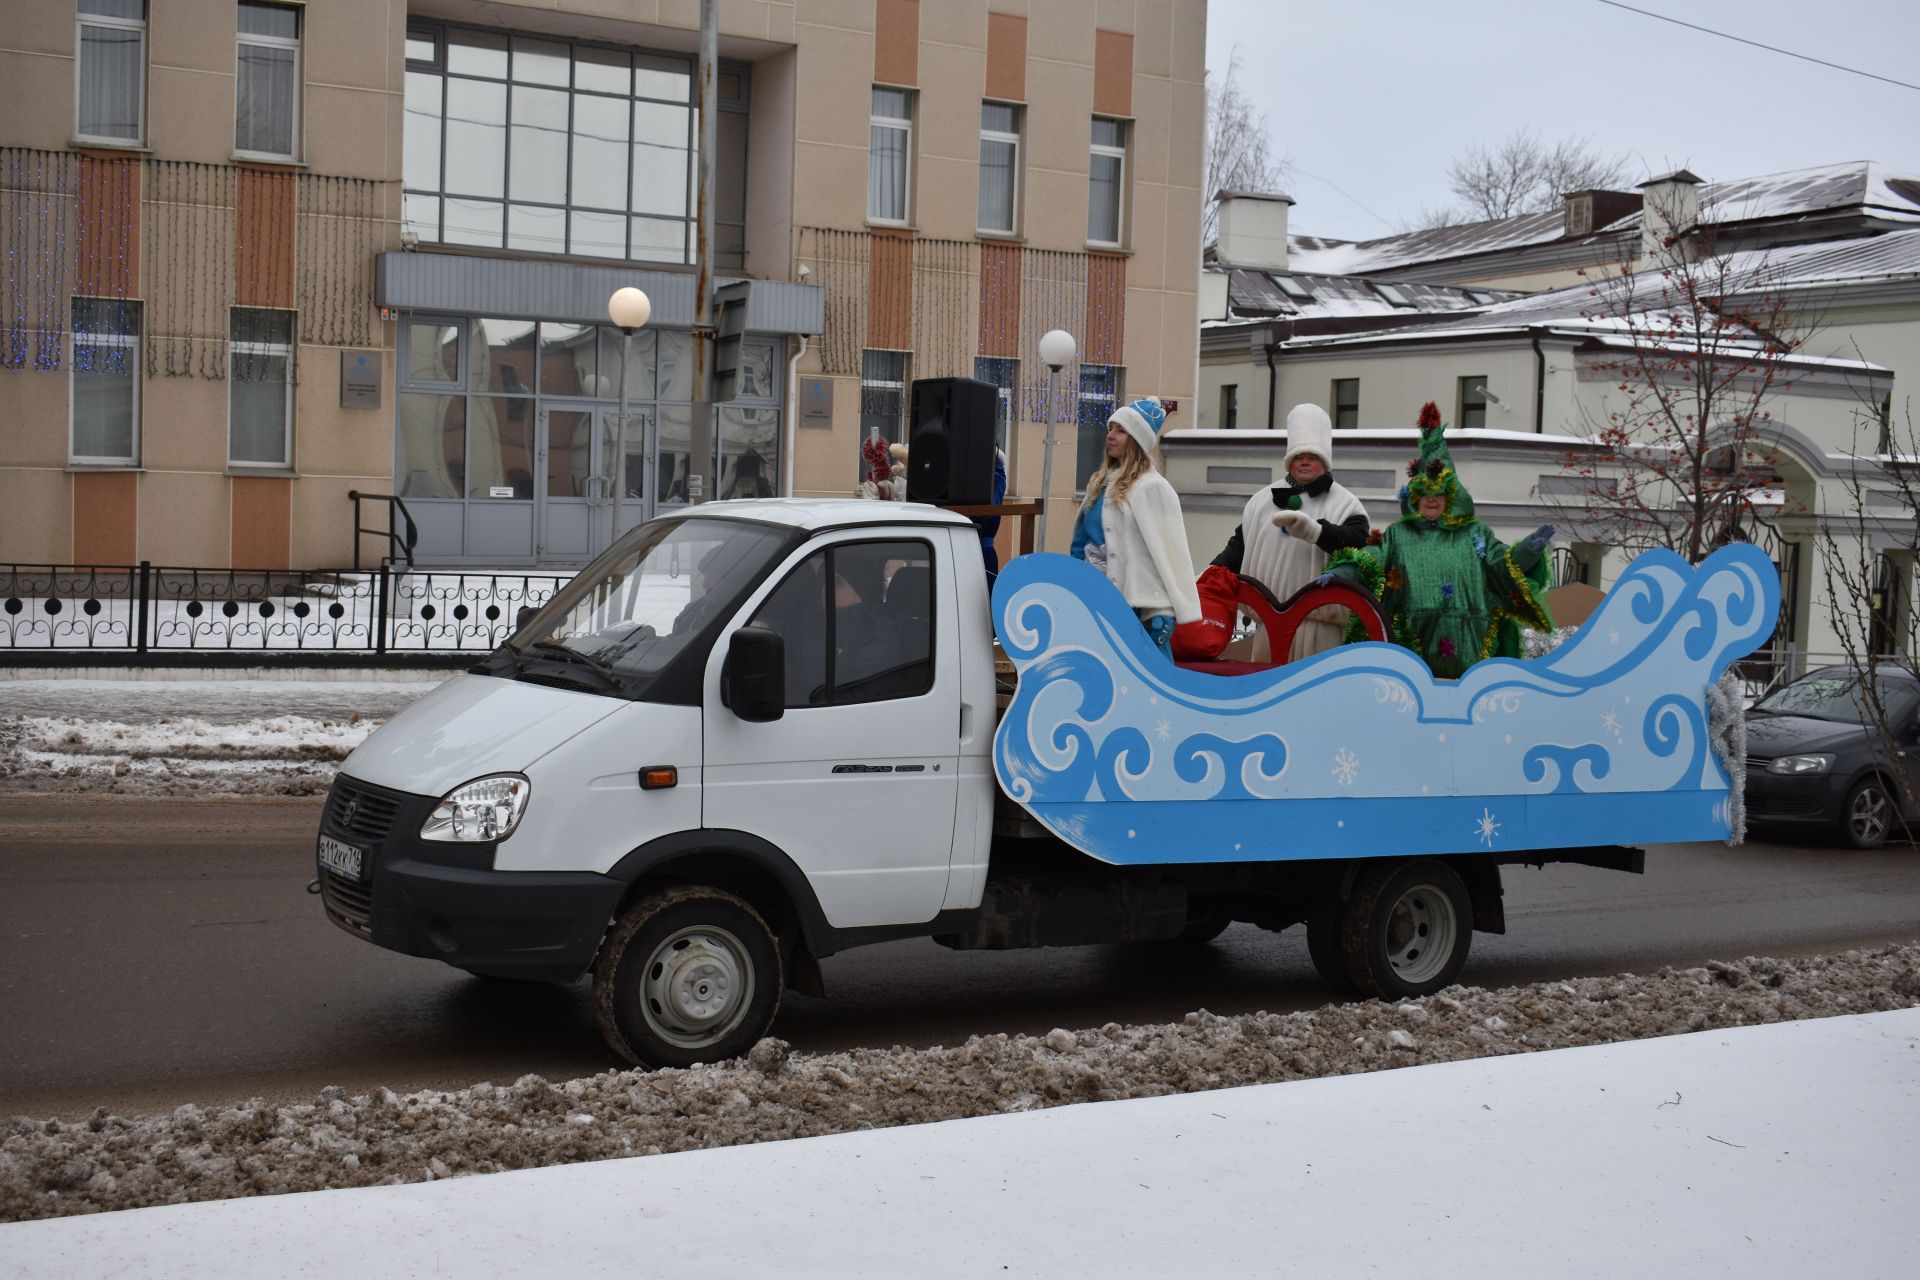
(553, 648)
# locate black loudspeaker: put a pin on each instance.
(950, 442)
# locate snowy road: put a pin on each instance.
(170, 954)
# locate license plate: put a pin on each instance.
(341, 858)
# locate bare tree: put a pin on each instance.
(1869, 543)
(1699, 345)
(1524, 175)
(1240, 154)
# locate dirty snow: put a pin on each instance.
(51, 1168)
(188, 737)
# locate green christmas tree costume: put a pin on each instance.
(1451, 591)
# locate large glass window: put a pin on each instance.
(857, 622)
(551, 146)
(1004, 375)
(1106, 181)
(267, 95)
(110, 92)
(260, 388)
(883, 399)
(1099, 396)
(106, 380)
(889, 155)
(999, 167)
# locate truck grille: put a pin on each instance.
(360, 811)
(349, 903)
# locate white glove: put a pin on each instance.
(1299, 524)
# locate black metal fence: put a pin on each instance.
(149, 609)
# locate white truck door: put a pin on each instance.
(858, 781)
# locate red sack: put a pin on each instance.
(1205, 640)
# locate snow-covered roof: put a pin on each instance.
(1867, 260)
(1294, 295)
(1868, 186)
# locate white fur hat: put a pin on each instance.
(1309, 430)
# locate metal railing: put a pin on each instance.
(149, 609)
(399, 549)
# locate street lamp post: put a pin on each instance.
(1057, 349)
(629, 309)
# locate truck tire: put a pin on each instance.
(689, 974)
(1406, 928)
(1323, 948)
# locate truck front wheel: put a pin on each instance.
(1406, 929)
(689, 974)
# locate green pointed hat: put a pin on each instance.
(1432, 472)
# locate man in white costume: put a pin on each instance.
(1287, 532)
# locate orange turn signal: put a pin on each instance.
(658, 777)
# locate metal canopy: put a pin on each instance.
(519, 288)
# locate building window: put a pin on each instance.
(260, 388)
(890, 155)
(552, 146)
(1230, 406)
(1098, 397)
(999, 168)
(106, 381)
(1106, 181)
(1473, 402)
(883, 398)
(1346, 403)
(110, 85)
(267, 91)
(1004, 376)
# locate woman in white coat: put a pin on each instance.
(1287, 532)
(1129, 525)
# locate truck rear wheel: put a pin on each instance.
(1323, 948)
(689, 974)
(1406, 929)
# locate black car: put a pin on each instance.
(1819, 756)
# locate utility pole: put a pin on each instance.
(705, 434)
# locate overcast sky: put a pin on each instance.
(1373, 98)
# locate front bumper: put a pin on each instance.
(446, 902)
(1785, 799)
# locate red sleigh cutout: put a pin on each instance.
(1280, 620)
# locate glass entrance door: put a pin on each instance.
(580, 459)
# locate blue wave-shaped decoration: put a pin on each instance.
(1360, 751)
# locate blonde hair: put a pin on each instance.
(1117, 475)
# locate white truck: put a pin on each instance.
(755, 734)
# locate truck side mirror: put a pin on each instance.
(754, 680)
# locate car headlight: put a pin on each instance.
(482, 810)
(1801, 764)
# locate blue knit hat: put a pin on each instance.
(1143, 420)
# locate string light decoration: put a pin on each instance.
(1053, 295)
(1000, 302)
(190, 213)
(38, 211)
(943, 337)
(338, 228)
(839, 259)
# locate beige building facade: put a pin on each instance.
(262, 255)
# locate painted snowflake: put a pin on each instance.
(1487, 827)
(1346, 767)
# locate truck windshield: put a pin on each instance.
(651, 598)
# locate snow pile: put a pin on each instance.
(52, 1168)
(288, 755)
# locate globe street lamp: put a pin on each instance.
(629, 309)
(1057, 349)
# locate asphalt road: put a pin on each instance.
(154, 953)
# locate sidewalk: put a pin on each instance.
(1784, 1150)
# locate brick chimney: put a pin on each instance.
(1669, 213)
(1253, 230)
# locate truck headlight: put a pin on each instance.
(1801, 764)
(482, 810)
